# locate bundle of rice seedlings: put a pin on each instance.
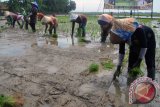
(7, 101)
(11, 101)
(135, 72)
(93, 67)
(55, 35)
(107, 65)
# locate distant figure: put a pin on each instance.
(111, 2)
(131, 13)
(33, 15)
(81, 20)
(111, 13)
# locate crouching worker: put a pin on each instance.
(81, 20)
(141, 41)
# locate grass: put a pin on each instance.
(2, 28)
(93, 67)
(107, 64)
(136, 72)
(6, 101)
(92, 28)
(79, 32)
(55, 35)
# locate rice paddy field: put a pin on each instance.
(37, 70)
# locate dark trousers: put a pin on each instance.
(104, 35)
(51, 28)
(149, 59)
(26, 22)
(33, 26)
(14, 21)
(82, 26)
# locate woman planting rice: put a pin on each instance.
(48, 20)
(140, 38)
(13, 17)
(81, 20)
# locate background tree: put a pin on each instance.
(71, 6)
(46, 6)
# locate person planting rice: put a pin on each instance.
(48, 20)
(12, 18)
(140, 38)
(81, 20)
(33, 15)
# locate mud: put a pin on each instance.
(51, 72)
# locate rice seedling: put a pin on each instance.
(136, 72)
(107, 64)
(93, 67)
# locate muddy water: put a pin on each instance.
(13, 49)
(56, 78)
(61, 42)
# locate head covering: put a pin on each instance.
(6, 13)
(124, 28)
(106, 18)
(73, 17)
(34, 4)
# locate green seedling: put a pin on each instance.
(7, 101)
(79, 32)
(136, 72)
(107, 65)
(93, 67)
(55, 35)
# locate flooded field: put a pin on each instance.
(50, 72)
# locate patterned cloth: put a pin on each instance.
(123, 28)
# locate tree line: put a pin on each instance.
(46, 6)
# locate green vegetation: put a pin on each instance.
(6, 101)
(55, 35)
(107, 64)
(2, 28)
(79, 32)
(136, 72)
(93, 67)
(60, 6)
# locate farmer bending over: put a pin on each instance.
(12, 18)
(141, 41)
(81, 20)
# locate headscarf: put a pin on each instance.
(73, 17)
(35, 4)
(123, 28)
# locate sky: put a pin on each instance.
(93, 5)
